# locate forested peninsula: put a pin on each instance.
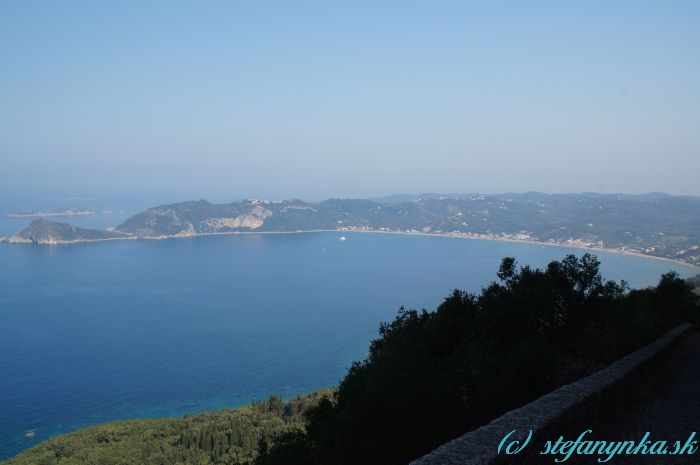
(656, 224)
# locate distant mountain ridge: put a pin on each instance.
(654, 224)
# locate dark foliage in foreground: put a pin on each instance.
(694, 281)
(431, 376)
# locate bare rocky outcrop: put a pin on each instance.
(253, 220)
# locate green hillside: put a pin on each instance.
(653, 224)
(224, 437)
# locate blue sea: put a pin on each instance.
(96, 332)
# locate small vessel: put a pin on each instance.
(343, 238)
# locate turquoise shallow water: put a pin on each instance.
(95, 332)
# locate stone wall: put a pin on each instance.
(572, 404)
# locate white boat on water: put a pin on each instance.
(343, 238)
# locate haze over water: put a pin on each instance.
(96, 332)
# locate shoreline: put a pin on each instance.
(543, 243)
(9, 240)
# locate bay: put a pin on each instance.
(96, 332)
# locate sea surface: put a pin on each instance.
(129, 329)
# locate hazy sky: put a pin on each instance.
(301, 99)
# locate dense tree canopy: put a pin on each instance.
(694, 281)
(231, 437)
(431, 376)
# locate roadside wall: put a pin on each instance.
(573, 403)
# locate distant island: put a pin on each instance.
(655, 224)
(59, 212)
